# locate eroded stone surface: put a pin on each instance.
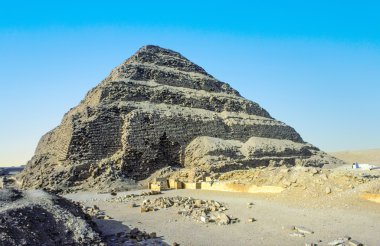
(159, 109)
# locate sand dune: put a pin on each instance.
(371, 156)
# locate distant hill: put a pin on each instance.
(10, 170)
(371, 156)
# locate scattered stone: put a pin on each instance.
(338, 241)
(303, 230)
(151, 193)
(94, 212)
(132, 238)
(297, 234)
(313, 171)
(130, 197)
(234, 220)
(143, 209)
(251, 220)
(206, 211)
(286, 183)
(328, 190)
(347, 238)
(289, 228)
(133, 205)
(204, 219)
(354, 243)
(223, 219)
(198, 203)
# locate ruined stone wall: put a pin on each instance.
(96, 139)
(165, 76)
(133, 91)
(57, 141)
(144, 132)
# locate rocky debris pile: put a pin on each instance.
(95, 212)
(9, 195)
(346, 240)
(36, 217)
(135, 237)
(312, 181)
(125, 238)
(300, 231)
(133, 199)
(129, 197)
(204, 211)
(159, 109)
(7, 182)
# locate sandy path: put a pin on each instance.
(271, 216)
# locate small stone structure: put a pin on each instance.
(160, 184)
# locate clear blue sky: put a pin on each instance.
(313, 64)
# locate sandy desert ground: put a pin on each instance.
(371, 156)
(329, 216)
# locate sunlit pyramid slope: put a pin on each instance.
(159, 109)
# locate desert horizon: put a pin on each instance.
(370, 156)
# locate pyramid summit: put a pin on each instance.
(155, 110)
(151, 54)
(153, 63)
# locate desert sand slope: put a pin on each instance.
(371, 156)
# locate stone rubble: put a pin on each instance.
(328, 190)
(301, 231)
(346, 240)
(338, 241)
(204, 211)
(297, 234)
(36, 217)
(135, 237)
(250, 220)
(354, 243)
(126, 238)
(94, 212)
(135, 197)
